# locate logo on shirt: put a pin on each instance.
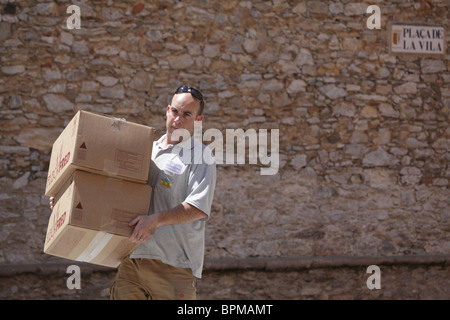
(166, 183)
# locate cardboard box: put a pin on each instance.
(102, 145)
(90, 219)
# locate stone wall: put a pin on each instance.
(364, 136)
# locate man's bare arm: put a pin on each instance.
(145, 225)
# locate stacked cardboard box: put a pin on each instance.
(101, 145)
(98, 172)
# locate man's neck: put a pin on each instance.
(165, 143)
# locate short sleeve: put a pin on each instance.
(201, 186)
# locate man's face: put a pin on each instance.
(182, 113)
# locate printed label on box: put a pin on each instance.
(119, 221)
(127, 160)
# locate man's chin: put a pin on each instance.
(173, 130)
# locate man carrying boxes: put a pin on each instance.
(170, 238)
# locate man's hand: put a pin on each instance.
(52, 202)
(144, 226)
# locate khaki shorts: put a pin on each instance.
(147, 279)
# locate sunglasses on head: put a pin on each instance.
(197, 94)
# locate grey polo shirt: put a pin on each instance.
(185, 172)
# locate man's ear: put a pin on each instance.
(199, 118)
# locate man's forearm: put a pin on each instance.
(144, 226)
(183, 213)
